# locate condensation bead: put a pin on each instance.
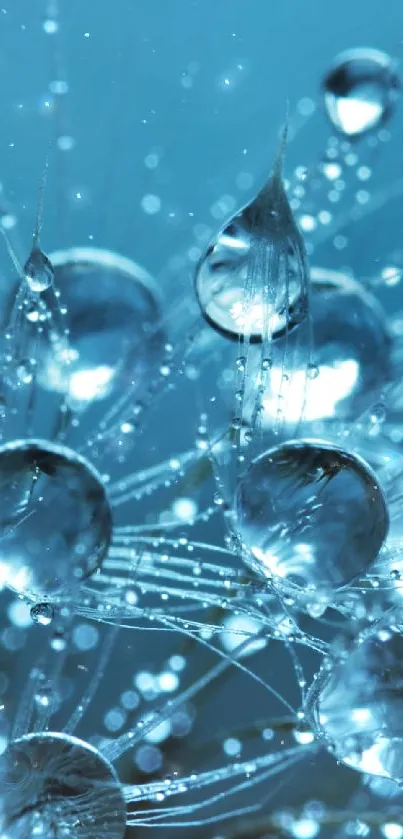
(359, 706)
(55, 519)
(113, 316)
(351, 357)
(312, 513)
(42, 613)
(55, 785)
(360, 91)
(253, 279)
(352, 346)
(38, 271)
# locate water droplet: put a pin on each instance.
(38, 271)
(351, 363)
(59, 770)
(253, 279)
(55, 521)
(42, 613)
(360, 91)
(113, 320)
(311, 512)
(378, 413)
(359, 706)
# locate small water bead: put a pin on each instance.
(360, 91)
(55, 519)
(253, 278)
(42, 613)
(38, 271)
(113, 317)
(57, 785)
(359, 707)
(25, 371)
(310, 512)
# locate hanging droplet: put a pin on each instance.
(360, 91)
(359, 705)
(38, 271)
(310, 512)
(42, 613)
(55, 519)
(113, 317)
(253, 280)
(45, 777)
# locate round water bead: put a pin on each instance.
(114, 319)
(55, 519)
(351, 357)
(253, 279)
(56, 785)
(360, 91)
(310, 512)
(359, 706)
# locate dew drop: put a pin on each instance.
(360, 91)
(359, 706)
(38, 271)
(253, 278)
(113, 319)
(42, 613)
(310, 512)
(45, 775)
(55, 521)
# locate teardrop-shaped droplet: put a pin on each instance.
(310, 512)
(253, 280)
(360, 91)
(38, 271)
(359, 706)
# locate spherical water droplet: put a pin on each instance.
(38, 271)
(113, 317)
(310, 512)
(359, 708)
(55, 519)
(360, 91)
(43, 777)
(42, 613)
(352, 357)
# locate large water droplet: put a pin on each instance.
(351, 358)
(253, 279)
(113, 317)
(310, 512)
(55, 519)
(359, 708)
(38, 271)
(43, 776)
(360, 91)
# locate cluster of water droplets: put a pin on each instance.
(274, 536)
